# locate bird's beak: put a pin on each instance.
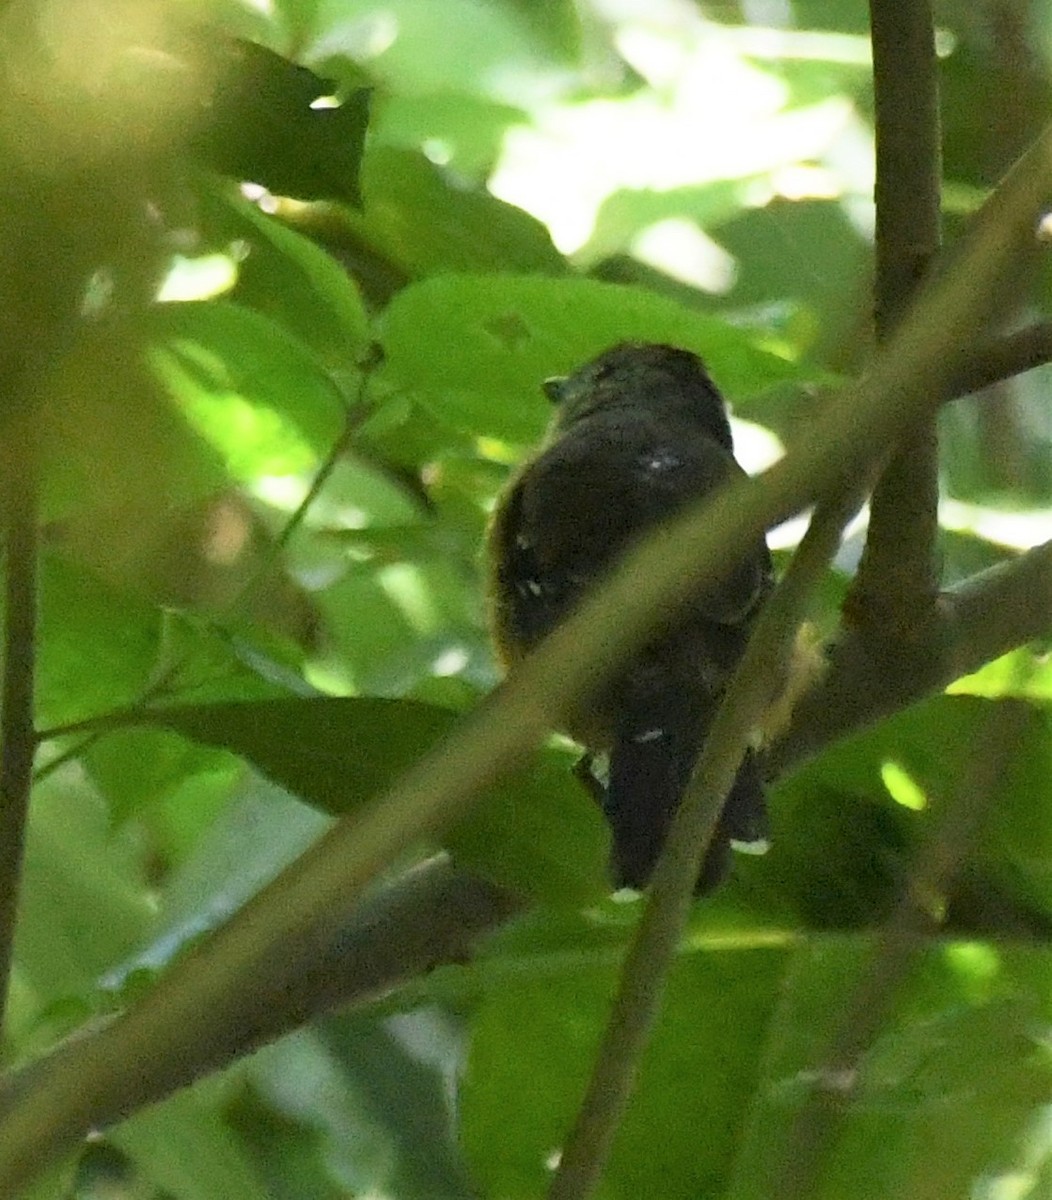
(554, 388)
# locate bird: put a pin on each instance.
(637, 433)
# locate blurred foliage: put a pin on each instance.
(216, 283)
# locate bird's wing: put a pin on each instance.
(601, 487)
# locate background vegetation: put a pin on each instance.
(279, 282)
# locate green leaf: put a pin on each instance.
(458, 45)
(555, 23)
(404, 1097)
(258, 834)
(467, 128)
(995, 449)
(253, 389)
(476, 348)
(289, 278)
(339, 753)
(532, 1040)
(137, 768)
(360, 496)
(333, 752)
(1024, 673)
(56, 1183)
(809, 254)
(184, 1148)
(378, 1111)
(427, 222)
(378, 650)
(98, 644)
(964, 554)
(84, 903)
(228, 856)
(539, 833)
(118, 457)
(843, 841)
(939, 1098)
(628, 211)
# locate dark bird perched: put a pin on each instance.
(637, 434)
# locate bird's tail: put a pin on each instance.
(650, 767)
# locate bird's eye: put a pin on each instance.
(555, 388)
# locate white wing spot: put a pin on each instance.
(600, 769)
(662, 460)
(756, 846)
(649, 735)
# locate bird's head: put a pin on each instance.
(632, 375)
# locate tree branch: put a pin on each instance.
(999, 360)
(893, 593)
(979, 620)
(908, 154)
(430, 916)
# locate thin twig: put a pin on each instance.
(653, 949)
(17, 739)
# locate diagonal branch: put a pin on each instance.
(432, 915)
(999, 360)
